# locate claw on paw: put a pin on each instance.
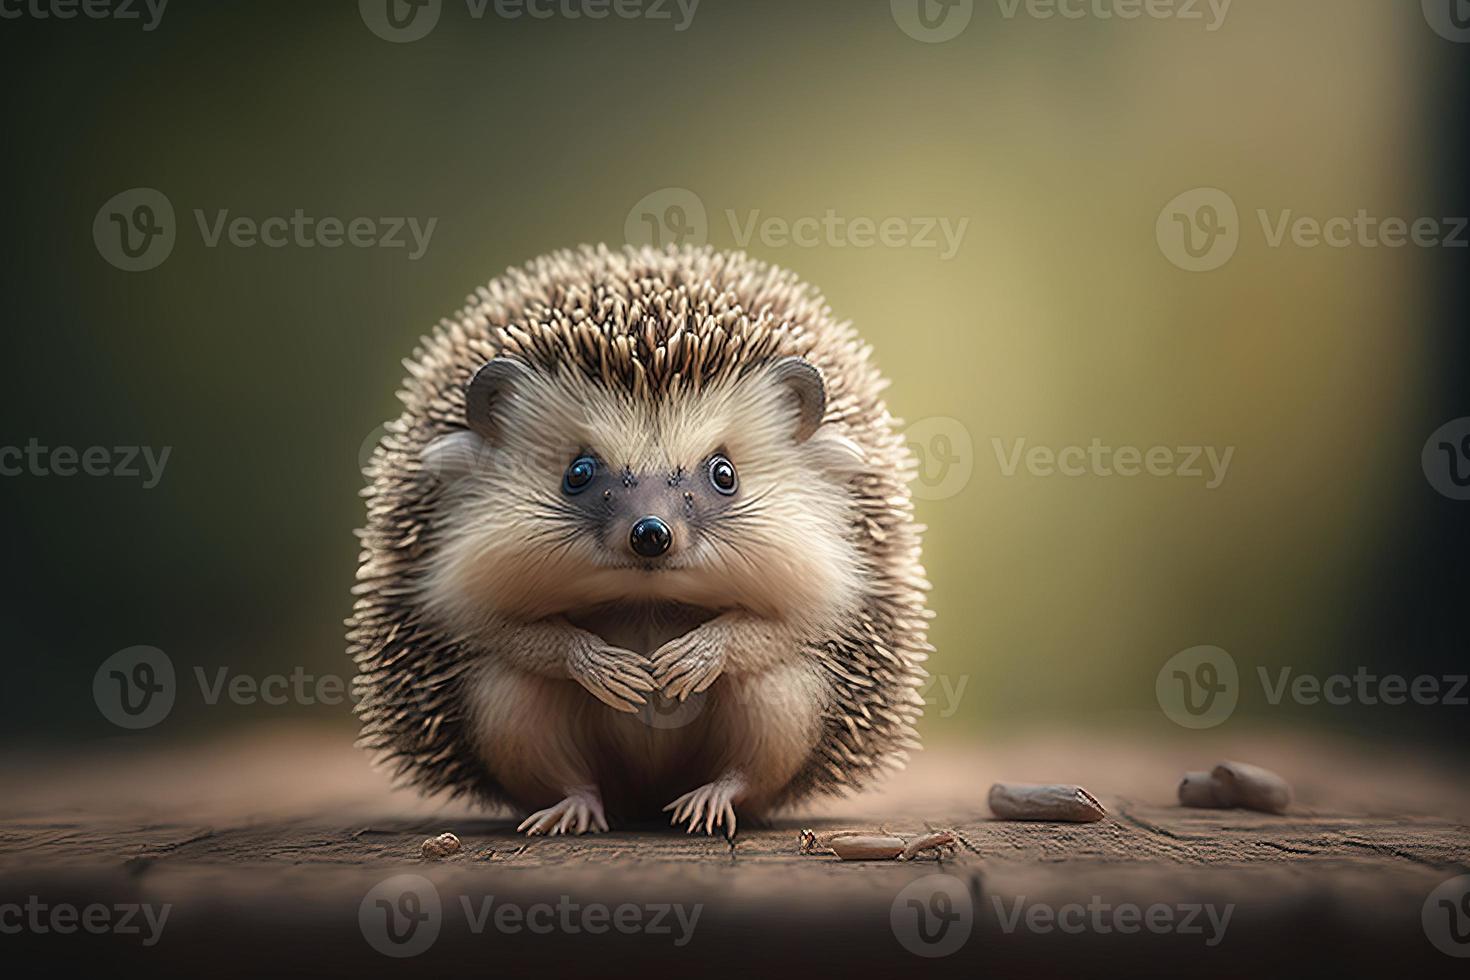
(712, 804)
(579, 813)
(687, 665)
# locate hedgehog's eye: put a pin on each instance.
(579, 474)
(722, 475)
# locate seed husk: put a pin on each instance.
(875, 845)
(936, 841)
(1024, 801)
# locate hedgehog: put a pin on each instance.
(640, 543)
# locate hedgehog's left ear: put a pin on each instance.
(804, 382)
(485, 395)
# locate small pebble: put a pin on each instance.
(1201, 789)
(439, 848)
(1232, 784)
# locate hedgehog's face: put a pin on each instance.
(566, 495)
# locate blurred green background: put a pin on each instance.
(1058, 320)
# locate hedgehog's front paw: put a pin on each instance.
(579, 813)
(688, 664)
(713, 803)
(618, 678)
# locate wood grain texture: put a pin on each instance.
(278, 837)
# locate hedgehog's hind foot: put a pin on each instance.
(713, 803)
(579, 813)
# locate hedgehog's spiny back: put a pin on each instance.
(647, 321)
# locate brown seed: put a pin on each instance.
(867, 847)
(439, 848)
(1022, 801)
(1253, 787)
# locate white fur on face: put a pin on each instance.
(510, 545)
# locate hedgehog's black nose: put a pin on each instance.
(651, 537)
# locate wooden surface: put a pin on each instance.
(266, 844)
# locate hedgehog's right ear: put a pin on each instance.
(805, 382)
(485, 395)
